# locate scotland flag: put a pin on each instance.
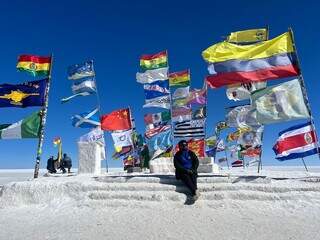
(86, 120)
(81, 70)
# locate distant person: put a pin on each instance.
(66, 163)
(51, 165)
(186, 163)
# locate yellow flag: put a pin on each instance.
(248, 36)
(225, 51)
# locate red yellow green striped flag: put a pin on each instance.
(35, 65)
(154, 61)
(180, 79)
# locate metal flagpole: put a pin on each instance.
(302, 83)
(305, 166)
(225, 153)
(99, 110)
(171, 101)
(43, 115)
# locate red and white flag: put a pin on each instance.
(296, 142)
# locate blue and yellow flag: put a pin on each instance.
(23, 95)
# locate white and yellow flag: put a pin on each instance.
(283, 102)
(248, 36)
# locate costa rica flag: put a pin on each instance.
(296, 142)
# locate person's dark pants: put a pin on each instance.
(190, 180)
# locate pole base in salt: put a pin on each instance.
(89, 155)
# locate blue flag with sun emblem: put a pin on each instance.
(27, 94)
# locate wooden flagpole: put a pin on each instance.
(302, 83)
(100, 114)
(43, 114)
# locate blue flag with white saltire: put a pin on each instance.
(86, 119)
(81, 70)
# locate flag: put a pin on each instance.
(242, 116)
(237, 163)
(122, 152)
(231, 63)
(220, 146)
(243, 91)
(157, 118)
(153, 61)
(83, 87)
(27, 94)
(223, 159)
(156, 89)
(154, 131)
(211, 152)
(235, 135)
(198, 97)
(160, 102)
(211, 141)
(296, 142)
(116, 120)
(180, 114)
(86, 85)
(252, 137)
(81, 70)
(35, 65)
(193, 128)
(180, 79)
(161, 141)
(252, 151)
(26, 128)
(283, 102)
(95, 135)
(248, 36)
(181, 92)
(181, 102)
(220, 126)
(199, 113)
(122, 138)
(196, 146)
(151, 76)
(58, 143)
(86, 119)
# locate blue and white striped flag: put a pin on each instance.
(82, 70)
(86, 119)
(83, 87)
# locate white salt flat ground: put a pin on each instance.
(279, 203)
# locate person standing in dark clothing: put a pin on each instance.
(186, 163)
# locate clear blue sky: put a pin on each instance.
(114, 34)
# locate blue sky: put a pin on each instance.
(114, 34)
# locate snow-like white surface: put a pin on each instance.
(278, 203)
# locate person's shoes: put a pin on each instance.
(196, 196)
(189, 200)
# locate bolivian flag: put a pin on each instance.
(154, 61)
(35, 65)
(180, 79)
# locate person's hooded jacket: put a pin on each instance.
(179, 167)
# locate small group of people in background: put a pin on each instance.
(54, 164)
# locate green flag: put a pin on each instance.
(283, 102)
(26, 128)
